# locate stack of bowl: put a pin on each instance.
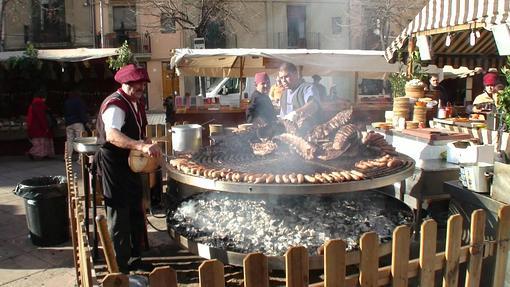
(415, 89)
(420, 114)
(401, 107)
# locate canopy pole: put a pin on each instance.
(410, 49)
(241, 86)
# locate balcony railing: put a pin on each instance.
(230, 41)
(60, 36)
(138, 44)
(312, 41)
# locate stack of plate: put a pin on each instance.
(401, 107)
(420, 114)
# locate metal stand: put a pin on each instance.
(89, 188)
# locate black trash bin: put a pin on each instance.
(46, 209)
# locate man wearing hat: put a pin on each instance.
(488, 98)
(121, 127)
(261, 109)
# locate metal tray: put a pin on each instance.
(87, 145)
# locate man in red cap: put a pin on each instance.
(121, 127)
(486, 100)
(261, 109)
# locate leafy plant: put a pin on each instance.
(124, 57)
(398, 80)
(504, 98)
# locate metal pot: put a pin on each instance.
(186, 138)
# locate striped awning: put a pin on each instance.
(459, 18)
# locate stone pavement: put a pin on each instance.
(21, 262)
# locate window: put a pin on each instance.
(336, 25)
(296, 23)
(124, 18)
(167, 23)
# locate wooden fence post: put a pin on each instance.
(503, 235)
(116, 280)
(452, 252)
(255, 270)
(163, 277)
(296, 267)
(477, 235)
(369, 263)
(211, 274)
(334, 263)
(400, 256)
(428, 242)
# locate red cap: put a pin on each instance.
(261, 77)
(131, 73)
(490, 79)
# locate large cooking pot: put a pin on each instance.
(186, 138)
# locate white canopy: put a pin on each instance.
(65, 55)
(247, 62)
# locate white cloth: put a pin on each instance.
(113, 117)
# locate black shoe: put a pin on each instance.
(139, 265)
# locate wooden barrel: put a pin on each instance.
(141, 162)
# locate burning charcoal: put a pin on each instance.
(249, 223)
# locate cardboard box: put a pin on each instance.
(469, 152)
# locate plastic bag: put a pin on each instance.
(42, 187)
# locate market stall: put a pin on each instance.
(355, 75)
(54, 73)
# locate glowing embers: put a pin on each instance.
(271, 224)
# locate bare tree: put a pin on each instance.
(384, 19)
(197, 15)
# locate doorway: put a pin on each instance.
(296, 26)
(170, 80)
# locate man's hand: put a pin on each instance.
(152, 149)
(291, 116)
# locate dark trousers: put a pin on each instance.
(126, 226)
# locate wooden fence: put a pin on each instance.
(402, 268)
(84, 267)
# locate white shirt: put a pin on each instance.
(113, 117)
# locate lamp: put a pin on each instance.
(448, 40)
(472, 38)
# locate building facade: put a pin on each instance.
(151, 35)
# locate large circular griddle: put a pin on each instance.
(378, 180)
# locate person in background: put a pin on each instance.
(321, 89)
(486, 100)
(169, 109)
(299, 96)
(438, 89)
(261, 109)
(75, 116)
(276, 91)
(121, 126)
(39, 131)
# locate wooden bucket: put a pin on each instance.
(141, 162)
